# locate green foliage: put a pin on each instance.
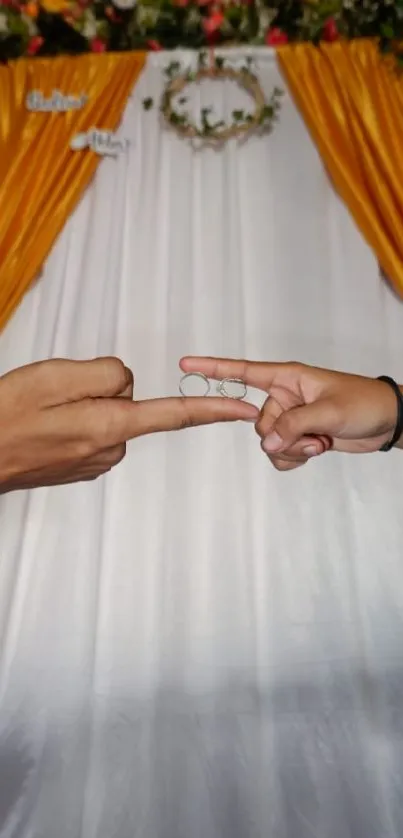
(167, 24)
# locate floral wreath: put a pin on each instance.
(263, 117)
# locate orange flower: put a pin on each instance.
(55, 7)
(31, 9)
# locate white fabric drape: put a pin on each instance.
(197, 645)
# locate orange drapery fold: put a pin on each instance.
(351, 98)
(41, 178)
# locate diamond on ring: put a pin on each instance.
(232, 388)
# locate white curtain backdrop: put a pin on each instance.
(198, 646)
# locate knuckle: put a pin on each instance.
(259, 426)
(284, 465)
(282, 428)
(83, 449)
(284, 425)
(115, 373)
(265, 426)
(117, 454)
(246, 370)
(97, 468)
(295, 367)
(129, 378)
(88, 449)
(278, 463)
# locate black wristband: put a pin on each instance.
(399, 420)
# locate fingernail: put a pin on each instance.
(310, 451)
(272, 442)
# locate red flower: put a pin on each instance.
(155, 46)
(276, 37)
(35, 44)
(330, 32)
(212, 24)
(98, 45)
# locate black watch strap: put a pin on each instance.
(399, 420)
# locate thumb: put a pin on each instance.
(298, 422)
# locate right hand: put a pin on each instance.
(310, 410)
(63, 421)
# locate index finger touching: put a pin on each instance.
(133, 419)
(257, 374)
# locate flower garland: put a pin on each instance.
(50, 27)
(208, 128)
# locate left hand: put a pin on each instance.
(67, 421)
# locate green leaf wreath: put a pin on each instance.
(210, 127)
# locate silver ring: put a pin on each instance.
(196, 375)
(221, 388)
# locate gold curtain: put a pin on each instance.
(41, 179)
(351, 98)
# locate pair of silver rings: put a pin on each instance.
(223, 387)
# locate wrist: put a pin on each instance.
(392, 403)
(399, 443)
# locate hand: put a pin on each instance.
(310, 410)
(63, 421)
